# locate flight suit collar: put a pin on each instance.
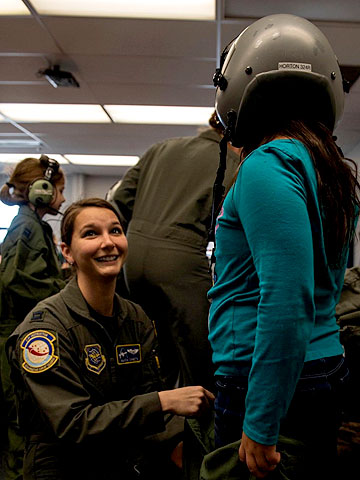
(29, 212)
(74, 299)
(210, 134)
(25, 210)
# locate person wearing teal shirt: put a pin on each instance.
(282, 242)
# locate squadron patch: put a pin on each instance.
(94, 361)
(128, 354)
(39, 351)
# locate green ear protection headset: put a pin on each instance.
(41, 191)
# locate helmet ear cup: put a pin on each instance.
(41, 192)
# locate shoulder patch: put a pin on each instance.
(128, 354)
(39, 351)
(38, 315)
(27, 233)
(95, 361)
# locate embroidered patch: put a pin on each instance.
(39, 315)
(94, 361)
(128, 353)
(27, 233)
(39, 351)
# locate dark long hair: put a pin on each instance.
(338, 186)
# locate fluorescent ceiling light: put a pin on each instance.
(13, 7)
(17, 157)
(54, 113)
(18, 143)
(163, 115)
(102, 160)
(164, 9)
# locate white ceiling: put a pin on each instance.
(148, 62)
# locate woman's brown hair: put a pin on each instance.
(69, 217)
(16, 189)
(215, 123)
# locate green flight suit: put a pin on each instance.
(203, 462)
(29, 272)
(87, 392)
(348, 318)
(165, 202)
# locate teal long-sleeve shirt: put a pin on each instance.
(273, 302)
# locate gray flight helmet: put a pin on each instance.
(281, 66)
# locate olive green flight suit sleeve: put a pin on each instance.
(29, 273)
(25, 283)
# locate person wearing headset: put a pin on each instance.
(29, 272)
(282, 243)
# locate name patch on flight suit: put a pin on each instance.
(95, 361)
(128, 353)
(39, 351)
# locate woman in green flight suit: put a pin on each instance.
(29, 272)
(85, 366)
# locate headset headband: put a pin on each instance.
(52, 167)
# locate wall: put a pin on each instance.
(96, 186)
(80, 186)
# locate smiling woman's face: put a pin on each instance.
(98, 245)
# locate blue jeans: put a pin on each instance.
(313, 417)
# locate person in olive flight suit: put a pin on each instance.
(165, 201)
(29, 272)
(348, 319)
(85, 366)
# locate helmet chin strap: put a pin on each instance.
(219, 188)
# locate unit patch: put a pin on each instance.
(39, 351)
(128, 354)
(94, 361)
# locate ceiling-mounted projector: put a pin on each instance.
(59, 78)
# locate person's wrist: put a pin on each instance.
(163, 396)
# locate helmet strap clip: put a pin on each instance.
(219, 80)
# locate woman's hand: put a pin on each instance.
(260, 459)
(186, 401)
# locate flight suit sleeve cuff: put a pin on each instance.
(154, 416)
